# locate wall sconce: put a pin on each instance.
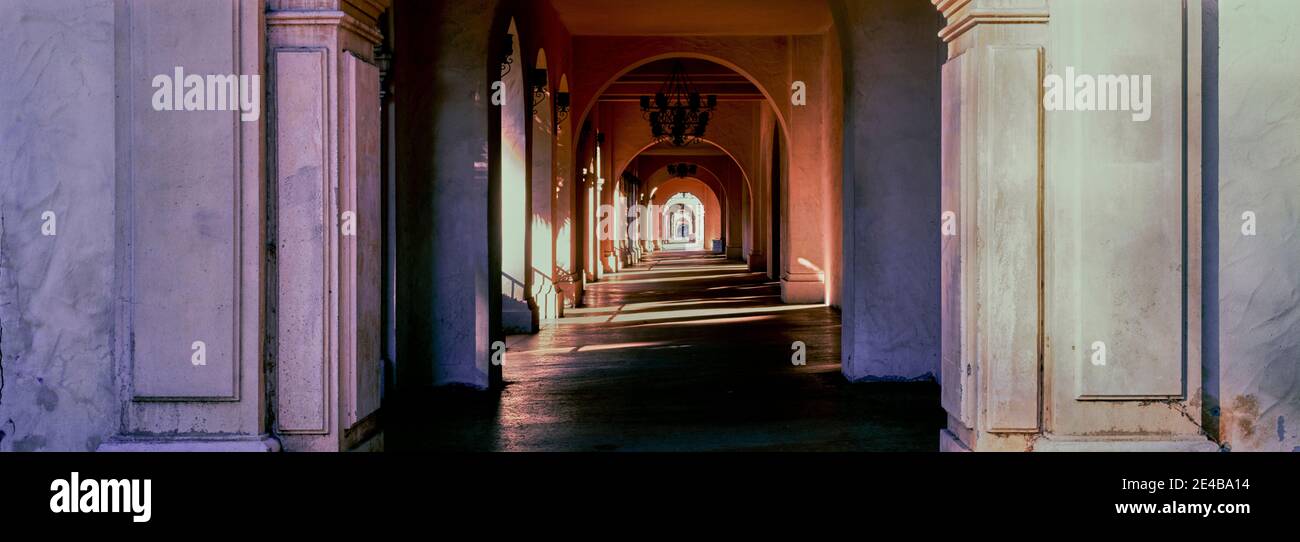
(561, 107)
(507, 54)
(537, 80)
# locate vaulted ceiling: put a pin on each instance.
(694, 17)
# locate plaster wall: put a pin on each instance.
(56, 292)
(159, 220)
(1256, 391)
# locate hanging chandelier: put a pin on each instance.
(682, 170)
(677, 113)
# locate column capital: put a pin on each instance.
(963, 15)
(361, 17)
(365, 8)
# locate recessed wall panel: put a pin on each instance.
(1010, 185)
(303, 237)
(361, 258)
(184, 214)
(1131, 202)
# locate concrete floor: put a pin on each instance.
(685, 352)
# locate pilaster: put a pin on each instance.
(190, 215)
(324, 152)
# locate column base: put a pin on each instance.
(757, 261)
(515, 321)
(221, 443)
(1066, 444)
(736, 253)
(949, 442)
(802, 292)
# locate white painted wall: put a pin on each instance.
(56, 154)
(1257, 391)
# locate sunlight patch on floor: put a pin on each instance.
(620, 317)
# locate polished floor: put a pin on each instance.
(684, 352)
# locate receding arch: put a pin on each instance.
(712, 220)
(748, 226)
(704, 175)
(744, 174)
(595, 97)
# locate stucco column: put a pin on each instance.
(542, 228)
(1070, 244)
(589, 202)
(805, 246)
(324, 155)
(992, 180)
(890, 199)
(736, 242)
(734, 219)
(699, 227)
(603, 245)
(760, 183)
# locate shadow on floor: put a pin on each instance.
(683, 353)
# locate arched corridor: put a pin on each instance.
(591, 219)
(684, 351)
(656, 210)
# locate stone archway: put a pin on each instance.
(809, 266)
(710, 223)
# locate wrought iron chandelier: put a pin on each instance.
(682, 170)
(677, 113)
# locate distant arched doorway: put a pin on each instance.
(684, 215)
